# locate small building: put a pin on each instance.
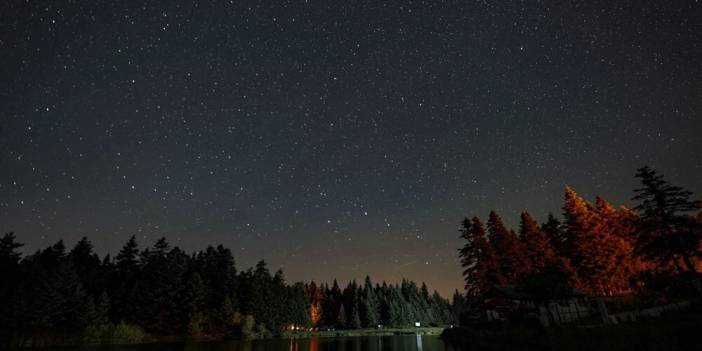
(506, 302)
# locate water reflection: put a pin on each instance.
(368, 343)
(384, 343)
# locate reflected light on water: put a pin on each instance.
(312, 344)
(397, 343)
(408, 342)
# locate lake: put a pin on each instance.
(360, 343)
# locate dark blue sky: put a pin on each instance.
(335, 138)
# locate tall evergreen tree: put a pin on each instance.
(87, 265)
(537, 245)
(478, 259)
(102, 310)
(553, 229)
(300, 304)
(127, 260)
(332, 304)
(617, 226)
(668, 233)
(354, 319)
(217, 268)
(459, 305)
(10, 273)
(341, 317)
(9, 256)
(369, 305)
(579, 221)
(62, 303)
(189, 314)
(163, 271)
(510, 254)
(599, 256)
(316, 300)
(123, 281)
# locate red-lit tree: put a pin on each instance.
(480, 266)
(510, 254)
(601, 258)
(538, 248)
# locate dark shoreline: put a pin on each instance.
(681, 333)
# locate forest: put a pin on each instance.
(652, 250)
(61, 296)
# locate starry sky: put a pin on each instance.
(335, 138)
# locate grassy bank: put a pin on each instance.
(364, 332)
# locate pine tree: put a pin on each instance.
(62, 303)
(162, 272)
(190, 304)
(257, 294)
(392, 313)
(425, 292)
(223, 318)
(597, 254)
(9, 289)
(369, 305)
(350, 300)
(578, 224)
(9, 257)
(102, 310)
(459, 305)
(54, 255)
(301, 305)
(316, 300)
(478, 259)
(537, 245)
(341, 317)
(617, 226)
(87, 265)
(217, 268)
(554, 230)
(354, 320)
(510, 254)
(127, 260)
(668, 234)
(332, 303)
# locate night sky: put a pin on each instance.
(335, 138)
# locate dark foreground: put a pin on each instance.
(680, 332)
(365, 343)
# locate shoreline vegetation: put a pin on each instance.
(366, 332)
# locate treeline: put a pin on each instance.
(595, 248)
(57, 295)
(367, 306)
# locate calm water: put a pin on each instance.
(366, 343)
